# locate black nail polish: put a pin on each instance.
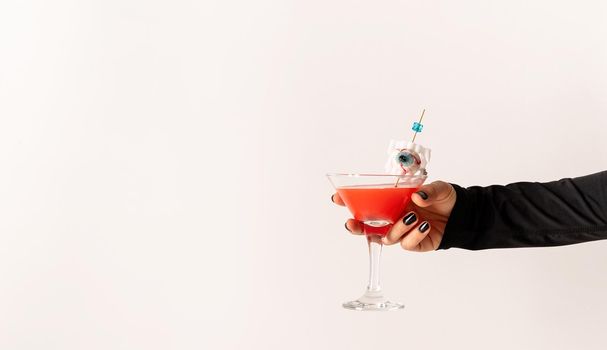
(346, 226)
(332, 200)
(423, 194)
(424, 227)
(409, 219)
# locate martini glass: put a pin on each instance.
(377, 201)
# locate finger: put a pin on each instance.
(415, 237)
(335, 198)
(400, 228)
(354, 227)
(431, 242)
(433, 193)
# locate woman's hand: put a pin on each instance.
(423, 226)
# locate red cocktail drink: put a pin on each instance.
(376, 203)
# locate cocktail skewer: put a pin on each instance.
(417, 127)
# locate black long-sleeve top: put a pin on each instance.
(529, 214)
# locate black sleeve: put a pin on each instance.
(529, 214)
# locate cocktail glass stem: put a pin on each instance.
(373, 299)
(375, 248)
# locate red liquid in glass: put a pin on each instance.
(376, 204)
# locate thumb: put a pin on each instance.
(432, 193)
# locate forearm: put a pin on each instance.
(529, 214)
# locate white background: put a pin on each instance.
(162, 170)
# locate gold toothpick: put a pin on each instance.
(420, 121)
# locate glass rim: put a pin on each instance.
(375, 175)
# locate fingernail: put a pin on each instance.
(410, 218)
(346, 226)
(332, 198)
(423, 194)
(424, 227)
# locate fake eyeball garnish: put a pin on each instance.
(408, 160)
(405, 159)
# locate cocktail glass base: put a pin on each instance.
(372, 301)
